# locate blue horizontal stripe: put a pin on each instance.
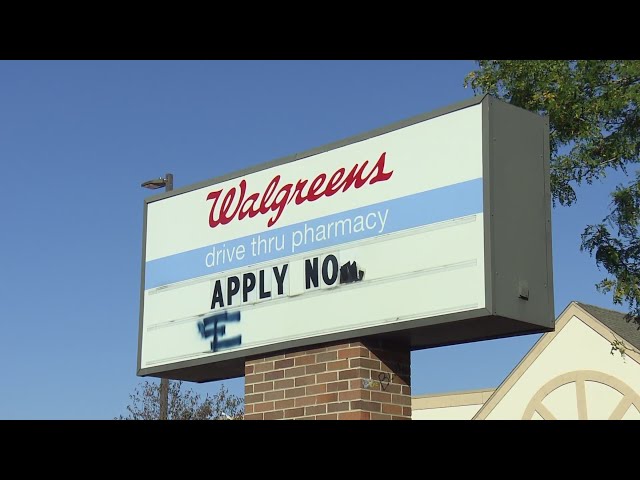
(403, 213)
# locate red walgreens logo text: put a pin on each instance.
(269, 201)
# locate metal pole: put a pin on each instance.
(164, 382)
(168, 179)
(164, 398)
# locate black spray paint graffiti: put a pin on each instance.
(349, 272)
(215, 327)
(384, 379)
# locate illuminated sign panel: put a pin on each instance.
(390, 233)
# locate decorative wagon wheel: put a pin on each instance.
(578, 378)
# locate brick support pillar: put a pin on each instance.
(350, 380)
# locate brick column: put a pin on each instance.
(350, 380)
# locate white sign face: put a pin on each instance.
(382, 231)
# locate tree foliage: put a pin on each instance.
(184, 404)
(594, 128)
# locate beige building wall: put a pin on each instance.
(571, 374)
(568, 374)
(450, 406)
(464, 412)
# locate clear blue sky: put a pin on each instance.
(77, 139)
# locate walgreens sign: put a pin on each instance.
(370, 236)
